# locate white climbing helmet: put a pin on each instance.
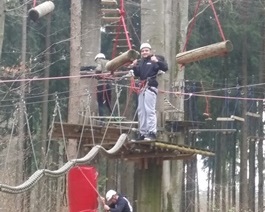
(145, 45)
(110, 194)
(100, 56)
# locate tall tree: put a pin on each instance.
(174, 11)
(75, 63)
(260, 154)
(22, 106)
(2, 24)
(243, 198)
(91, 24)
(149, 179)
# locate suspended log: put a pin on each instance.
(41, 10)
(124, 58)
(213, 50)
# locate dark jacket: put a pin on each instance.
(122, 205)
(146, 69)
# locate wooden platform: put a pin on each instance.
(107, 138)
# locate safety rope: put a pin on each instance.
(90, 119)
(84, 123)
(14, 123)
(194, 20)
(29, 134)
(192, 25)
(217, 20)
(122, 12)
(39, 174)
(131, 90)
(108, 123)
(225, 111)
(61, 122)
(239, 93)
(207, 106)
(50, 134)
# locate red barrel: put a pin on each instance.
(82, 193)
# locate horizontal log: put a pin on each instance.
(41, 10)
(125, 58)
(184, 149)
(213, 50)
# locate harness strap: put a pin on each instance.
(152, 90)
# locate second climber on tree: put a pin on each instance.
(104, 85)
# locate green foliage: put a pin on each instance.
(219, 73)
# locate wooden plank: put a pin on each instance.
(110, 19)
(164, 156)
(184, 149)
(74, 131)
(110, 11)
(213, 50)
(212, 130)
(109, 2)
(107, 117)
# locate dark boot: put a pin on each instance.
(139, 137)
(150, 137)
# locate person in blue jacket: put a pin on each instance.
(117, 202)
(147, 68)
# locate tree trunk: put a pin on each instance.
(21, 201)
(218, 170)
(90, 39)
(260, 170)
(260, 156)
(175, 12)
(149, 180)
(75, 62)
(252, 174)
(191, 185)
(243, 199)
(2, 24)
(21, 126)
(233, 178)
(44, 120)
(223, 171)
(44, 123)
(148, 187)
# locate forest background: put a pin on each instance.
(221, 83)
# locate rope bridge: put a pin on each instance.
(36, 176)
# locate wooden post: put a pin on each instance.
(126, 57)
(41, 10)
(217, 49)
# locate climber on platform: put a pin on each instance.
(147, 68)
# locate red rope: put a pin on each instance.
(34, 3)
(194, 19)
(217, 20)
(192, 25)
(122, 13)
(128, 100)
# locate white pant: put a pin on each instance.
(147, 110)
